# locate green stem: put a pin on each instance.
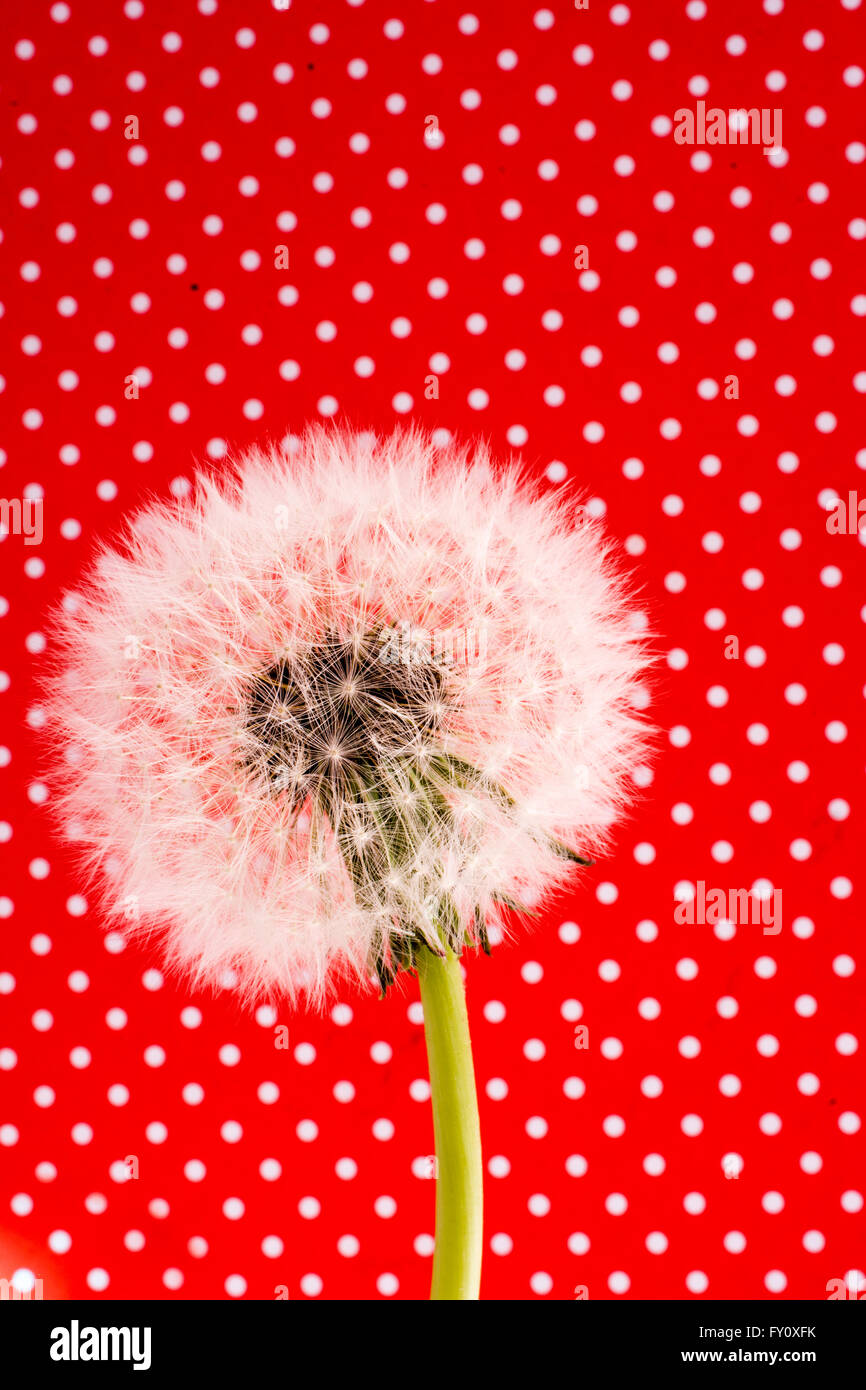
(456, 1128)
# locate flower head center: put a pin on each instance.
(331, 718)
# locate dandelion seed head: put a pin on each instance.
(331, 704)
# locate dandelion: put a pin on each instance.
(271, 751)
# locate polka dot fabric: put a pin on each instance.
(224, 221)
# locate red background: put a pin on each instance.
(733, 547)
